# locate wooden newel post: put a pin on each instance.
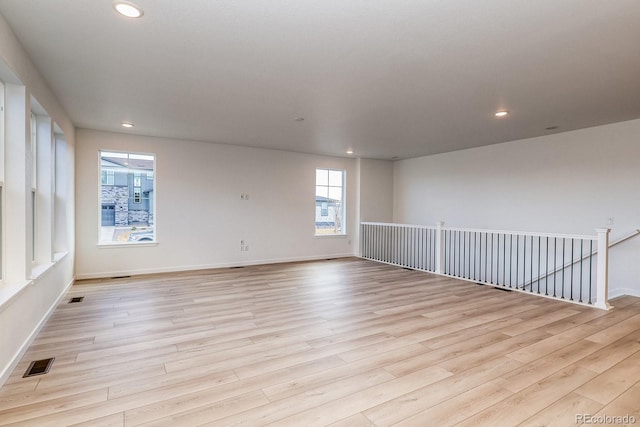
(602, 284)
(439, 247)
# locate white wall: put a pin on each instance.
(567, 183)
(200, 217)
(376, 190)
(25, 302)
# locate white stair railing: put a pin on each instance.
(573, 268)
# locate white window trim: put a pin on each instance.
(103, 245)
(344, 204)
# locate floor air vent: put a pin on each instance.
(39, 367)
(120, 277)
(76, 299)
(240, 266)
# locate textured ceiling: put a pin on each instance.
(386, 78)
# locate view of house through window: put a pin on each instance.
(127, 203)
(330, 202)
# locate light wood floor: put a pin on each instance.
(343, 343)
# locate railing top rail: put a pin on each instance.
(524, 233)
(479, 230)
(392, 224)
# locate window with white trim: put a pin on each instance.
(330, 202)
(1, 180)
(127, 198)
(33, 156)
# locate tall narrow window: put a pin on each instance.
(1, 237)
(330, 202)
(126, 200)
(33, 225)
(33, 155)
(1, 177)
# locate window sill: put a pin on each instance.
(59, 255)
(8, 291)
(125, 245)
(39, 269)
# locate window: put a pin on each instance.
(330, 198)
(126, 200)
(33, 225)
(1, 235)
(1, 177)
(108, 177)
(32, 157)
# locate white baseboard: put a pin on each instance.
(618, 292)
(175, 269)
(6, 373)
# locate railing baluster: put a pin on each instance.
(572, 264)
(555, 265)
(539, 249)
(546, 268)
(563, 265)
(531, 262)
(590, 271)
(517, 258)
(459, 247)
(581, 259)
(491, 271)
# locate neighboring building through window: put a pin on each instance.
(330, 202)
(127, 202)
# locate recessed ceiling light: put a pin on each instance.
(502, 113)
(552, 127)
(127, 125)
(299, 119)
(349, 151)
(127, 9)
(394, 158)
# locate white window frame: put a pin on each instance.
(343, 207)
(2, 204)
(111, 244)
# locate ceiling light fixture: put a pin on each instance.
(127, 125)
(502, 113)
(299, 119)
(127, 9)
(349, 151)
(552, 127)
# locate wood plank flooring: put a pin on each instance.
(344, 342)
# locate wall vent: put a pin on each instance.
(120, 277)
(39, 367)
(76, 299)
